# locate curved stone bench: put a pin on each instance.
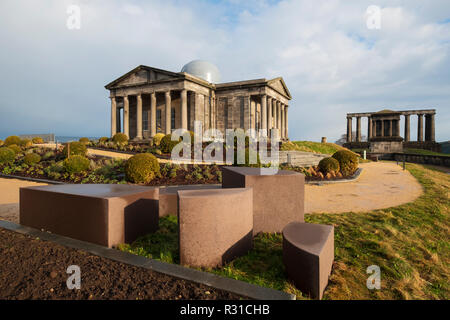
(308, 254)
(215, 225)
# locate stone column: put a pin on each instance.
(283, 122)
(126, 116)
(153, 114)
(264, 115)
(349, 129)
(113, 116)
(274, 114)
(286, 122)
(407, 127)
(184, 116)
(139, 117)
(168, 112)
(269, 115)
(397, 125)
(382, 127)
(374, 128)
(369, 128)
(420, 128)
(432, 128)
(390, 128)
(358, 129)
(279, 116)
(252, 114)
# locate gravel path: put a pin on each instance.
(380, 185)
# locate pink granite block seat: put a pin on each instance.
(277, 199)
(105, 214)
(215, 225)
(308, 254)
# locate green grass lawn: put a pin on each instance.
(310, 146)
(410, 243)
(425, 152)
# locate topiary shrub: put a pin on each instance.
(7, 155)
(348, 162)
(157, 138)
(76, 164)
(76, 148)
(25, 143)
(328, 165)
(167, 144)
(141, 168)
(84, 140)
(15, 148)
(31, 158)
(12, 140)
(37, 140)
(103, 139)
(120, 138)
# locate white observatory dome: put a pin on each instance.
(203, 69)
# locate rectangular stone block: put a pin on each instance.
(277, 199)
(215, 225)
(99, 213)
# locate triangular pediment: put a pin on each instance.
(141, 75)
(279, 85)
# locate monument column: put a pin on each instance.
(253, 114)
(264, 115)
(283, 122)
(269, 115)
(407, 127)
(168, 112)
(274, 114)
(369, 128)
(113, 116)
(349, 129)
(279, 116)
(432, 128)
(397, 126)
(153, 114)
(139, 117)
(184, 117)
(390, 128)
(126, 116)
(382, 127)
(286, 130)
(358, 129)
(420, 128)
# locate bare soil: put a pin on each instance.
(35, 269)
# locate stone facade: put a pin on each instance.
(383, 130)
(147, 100)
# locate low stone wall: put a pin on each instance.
(422, 159)
(427, 145)
(301, 159)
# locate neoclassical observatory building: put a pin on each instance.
(148, 100)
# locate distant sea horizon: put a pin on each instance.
(63, 139)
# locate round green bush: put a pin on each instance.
(7, 155)
(120, 138)
(76, 148)
(1, 143)
(141, 168)
(103, 139)
(326, 165)
(157, 138)
(84, 140)
(76, 164)
(15, 148)
(348, 162)
(31, 158)
(25, 143)
(37, 140)
(167, 144)
(12, 140)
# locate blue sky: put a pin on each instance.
(53, 78)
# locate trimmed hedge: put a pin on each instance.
(120, 138)
(15, 148)
(37, 140)
(12, 140)
(76, 164)
(7, 155)
(157, 138)
(348, 162)
(103, 139)
(31, 158)
(84, 140)
(327, 165)
(141, 168)
(76, 148)
(167, 144)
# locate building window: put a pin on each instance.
(145, 121)
(158, 120)
(172, 118)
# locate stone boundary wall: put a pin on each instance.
(301, 159)
(423, 159)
